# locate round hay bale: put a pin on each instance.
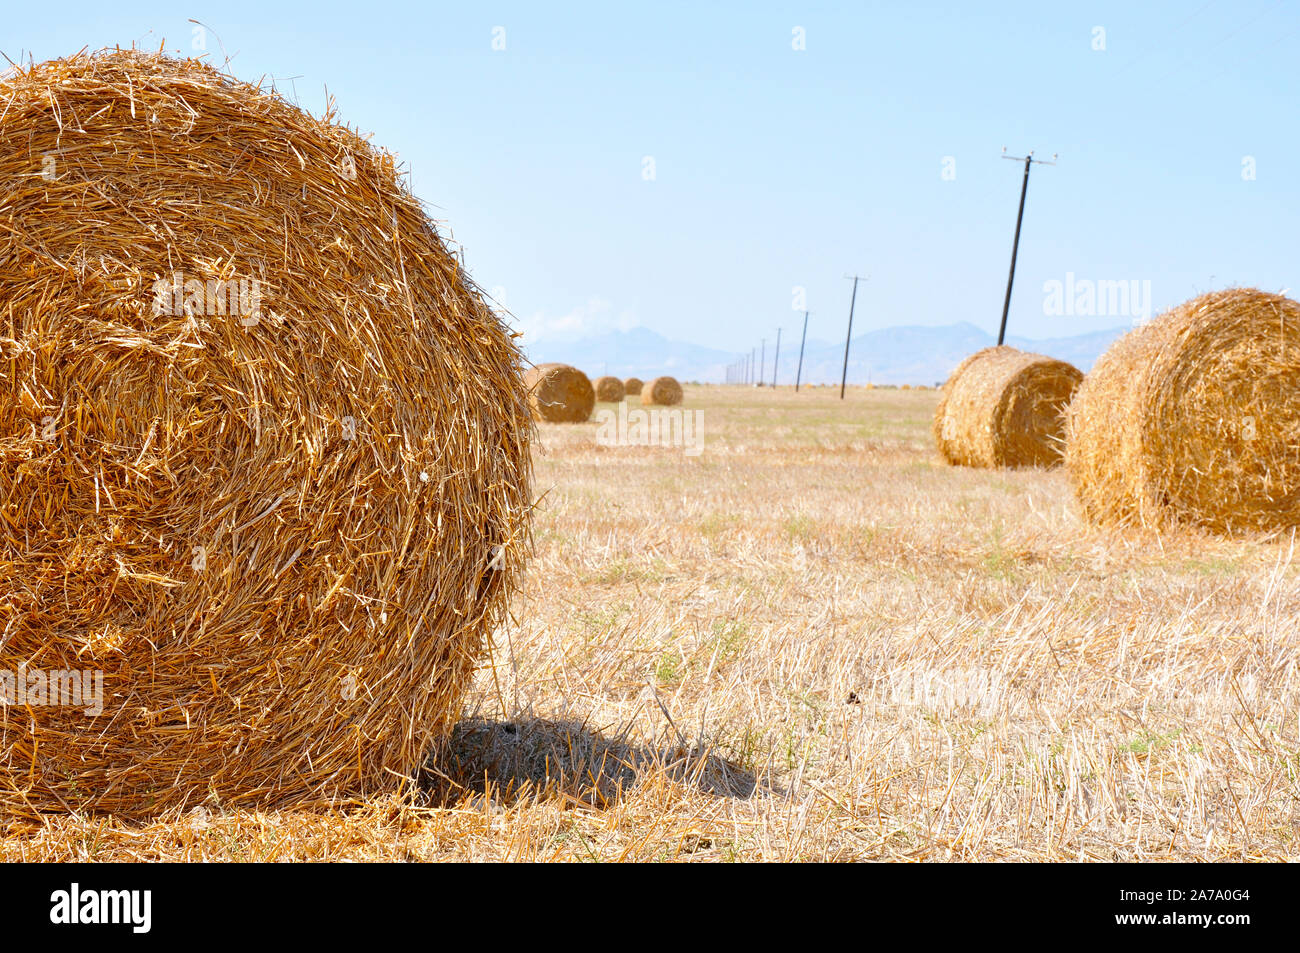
(1194, 418)
(610, 390)
(560, 394)
(662, 390)
(1004, 408)
(264, 451)
(632, 386)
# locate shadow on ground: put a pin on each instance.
(540, 759)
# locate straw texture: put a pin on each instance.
(664, 391)
(632, 386)
(560, 394)
(610, 390)
(1003, 408)
(278, 515)
(1194, 418)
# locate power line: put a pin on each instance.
(1225, 38)
(1204, 76)
(1186, 20)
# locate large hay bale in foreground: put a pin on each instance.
(560, 394)
(1195, 418)
(264, 451)
(610, 390)
(664, 391)
(632, 386)
(1004, 408)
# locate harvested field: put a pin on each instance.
(838, 648)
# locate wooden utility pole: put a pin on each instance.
(1015, 245)
(776, 358)
(802, 341)
(844, 374)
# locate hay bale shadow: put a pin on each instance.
(541, 759)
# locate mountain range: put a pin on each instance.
(896, 355)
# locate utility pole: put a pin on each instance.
(762, 363)
(1015, 246)
(844, 374)
(776, 358)
(802, 341)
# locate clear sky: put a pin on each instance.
(776, 167)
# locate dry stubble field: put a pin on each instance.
(814, 641)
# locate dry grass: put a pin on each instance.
(632, 386)
(816, 641)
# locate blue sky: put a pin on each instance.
(776, 167)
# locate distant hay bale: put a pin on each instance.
(610, 390)
(1004, 408)
(632, 386)
(560, 394)
(664, 391)
(262, 446)
(1194, 418)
